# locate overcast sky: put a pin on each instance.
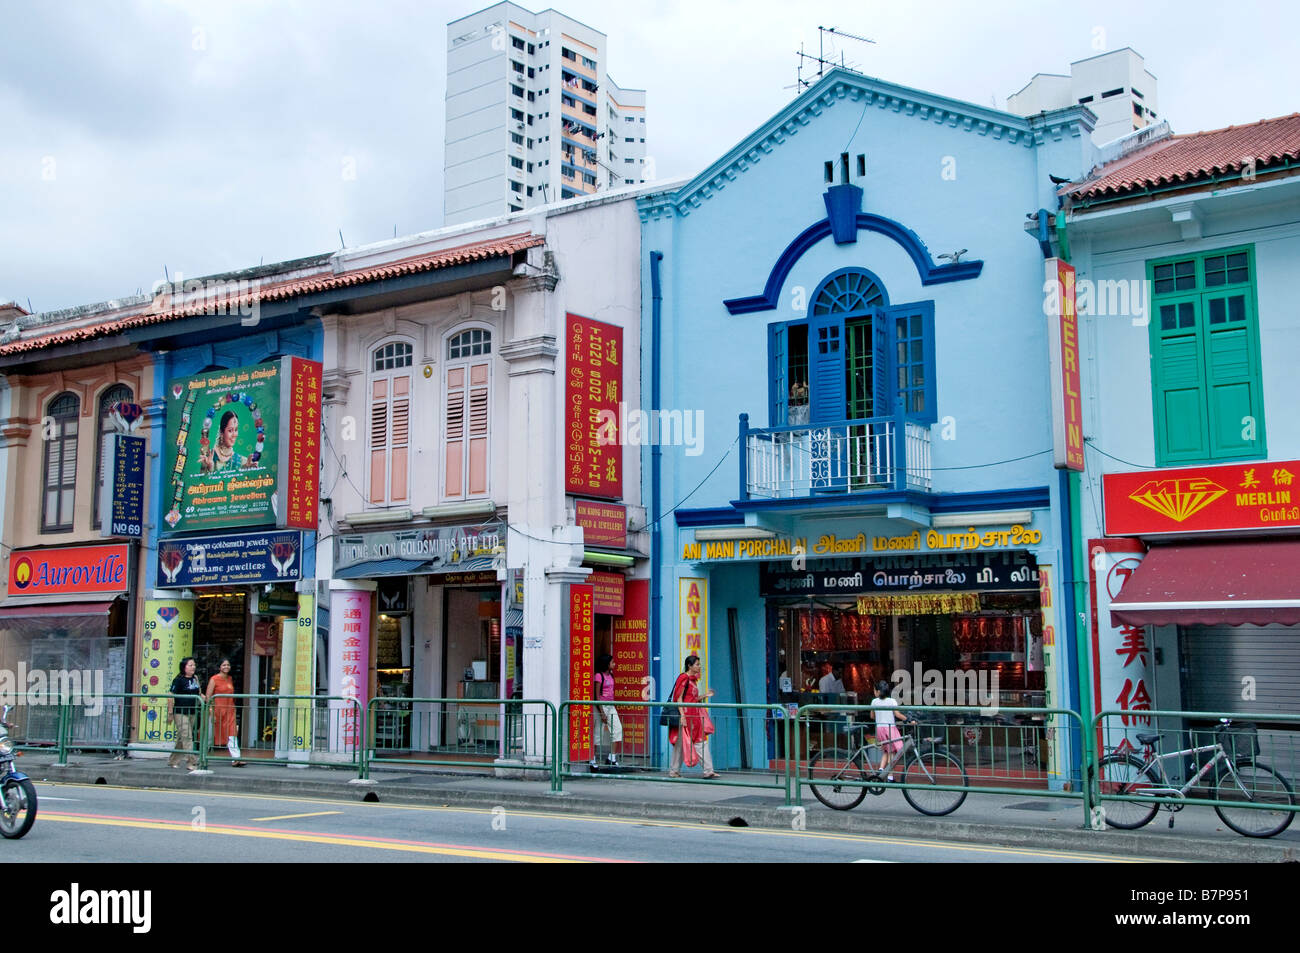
(209, 136)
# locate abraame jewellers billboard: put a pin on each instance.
(242, 446)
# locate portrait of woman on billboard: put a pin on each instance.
(222, 456)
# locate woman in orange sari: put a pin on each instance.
(224, 726)
(691, 741)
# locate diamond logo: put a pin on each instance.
(1178, 499)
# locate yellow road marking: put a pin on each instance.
(285, 817)
(314, 839)
(638, 821)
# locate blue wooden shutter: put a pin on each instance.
(912, 363)
(778, 350)
(882, 403)
(826, 368)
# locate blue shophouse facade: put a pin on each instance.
(849, 301)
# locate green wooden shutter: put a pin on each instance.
(1233, 391)
(1177, 364)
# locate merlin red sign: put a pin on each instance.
(593, 387)
(73, 569)
(1063, 365)
(1240, 496)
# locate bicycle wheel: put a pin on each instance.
(1124, 774)
(929, 768)
(830, 766)
(1254, 783)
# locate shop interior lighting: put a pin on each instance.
(999, 518)
(732, 532)
(607, 559)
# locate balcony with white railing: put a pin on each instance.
(807, 461)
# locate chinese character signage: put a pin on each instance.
(349, 657)
(582, 666)
(168, 637)
(1063, 364)
(593, 388)
(609, 592)
(693, 624)
(1123, 669)
(68, 570)
(230, 559)
(603, 524)
(631, 648)
(304, 671)
(242, 447)
(1239, 496)
(299, 487)
(121, 498)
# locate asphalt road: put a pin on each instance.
(98, 823)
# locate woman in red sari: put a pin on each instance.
(691, 741)
(224, 726)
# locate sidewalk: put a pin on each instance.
(1032, 820)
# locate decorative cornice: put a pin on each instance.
(838, 86)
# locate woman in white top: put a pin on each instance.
(887, 735)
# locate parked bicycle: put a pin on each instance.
(1236, 781)
(841, 779)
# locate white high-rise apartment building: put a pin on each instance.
(532, 115)
(1116, 86)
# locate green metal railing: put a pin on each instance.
(936, 724)
(731, 722)
(459, 733)
(1119, 757)
(325, 730)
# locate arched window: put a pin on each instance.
(856, 357)
(118, 393)
(849, 292)
(59, 430)
(390, 424)
(467, 381)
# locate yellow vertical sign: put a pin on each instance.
(168, 637)
(693, 623)
(304, 672)
(1056, 754)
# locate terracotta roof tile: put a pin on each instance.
(160, 309)
(1188, 158)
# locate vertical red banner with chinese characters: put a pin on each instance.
(593, 388)
(1123, 669)
(349, 658)
(632, 664)
(300, 444)
(582, 666)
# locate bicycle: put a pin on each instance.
(928, 763)
(1243, 780)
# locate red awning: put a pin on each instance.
(54, 608)
(1244, 582)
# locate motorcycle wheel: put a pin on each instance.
(18, 813)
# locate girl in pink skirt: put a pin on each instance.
(887, 735)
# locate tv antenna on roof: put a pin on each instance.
(820, 59)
